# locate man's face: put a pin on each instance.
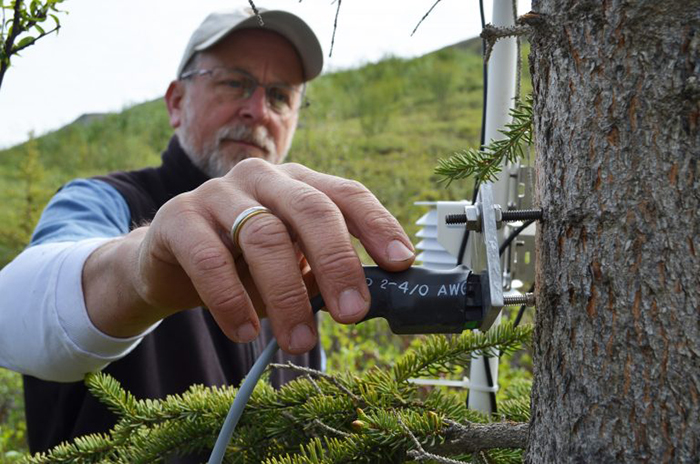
(215, 129)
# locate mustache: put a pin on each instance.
(258, 136)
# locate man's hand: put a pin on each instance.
(184, 258)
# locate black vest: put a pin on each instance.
(187, 348)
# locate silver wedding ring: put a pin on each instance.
(241, 220)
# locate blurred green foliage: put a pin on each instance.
(384, 124)
(12, 427)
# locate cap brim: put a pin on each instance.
(289, 26)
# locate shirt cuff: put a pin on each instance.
(72, 312)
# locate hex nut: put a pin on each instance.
(473, 218)
(499, 215)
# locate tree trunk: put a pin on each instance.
(617, 344)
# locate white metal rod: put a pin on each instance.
(501, 89)
(499, 100)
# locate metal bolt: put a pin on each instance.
(507, 216)
(452, 219)
(528, 299)
(522, 215)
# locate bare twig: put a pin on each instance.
(315, 385)
(328, 428)
(481, 458)
(419, 454)
(425, 16)
(315, 423)
(491, 34)
(425, 456)
(257, 13)
(335, 28)
(314, 372)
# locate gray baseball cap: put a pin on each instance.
(218, 25)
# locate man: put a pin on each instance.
(98, 289)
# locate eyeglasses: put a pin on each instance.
(239, 85)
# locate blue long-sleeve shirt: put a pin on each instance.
(45, 330)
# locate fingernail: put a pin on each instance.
(397, 251)
(301, 338)
(246, 333)
(351, 303)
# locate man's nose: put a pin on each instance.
(255, 107)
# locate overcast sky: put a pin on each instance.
(111, 54)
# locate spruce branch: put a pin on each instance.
(170, 438)
(111, 394)
(313, 382)
(515, 409)
(330, 429)
(419, 454)
(88, 449)
(335, 381)
(437, 354)
(485, 164)
(316, 418)
(473, 438)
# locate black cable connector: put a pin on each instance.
(421, 300)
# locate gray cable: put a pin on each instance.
(243, 395)
(234, 414)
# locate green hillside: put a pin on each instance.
(384, 124)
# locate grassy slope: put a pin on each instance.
(384, 124)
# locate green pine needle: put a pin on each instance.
(317, 418)
(485, 164)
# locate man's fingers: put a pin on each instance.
(318, 226)
(367, 219)
(318, 213)
(274, 266)
(272, 270)
(210, 266)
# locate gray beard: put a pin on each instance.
(214, 161)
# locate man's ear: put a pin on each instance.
(174, 99)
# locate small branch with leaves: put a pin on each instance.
(24, 28)
(485, 164)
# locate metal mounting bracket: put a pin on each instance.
(492, 284)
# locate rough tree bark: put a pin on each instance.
(617, 344)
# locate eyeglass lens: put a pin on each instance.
(239, 85)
